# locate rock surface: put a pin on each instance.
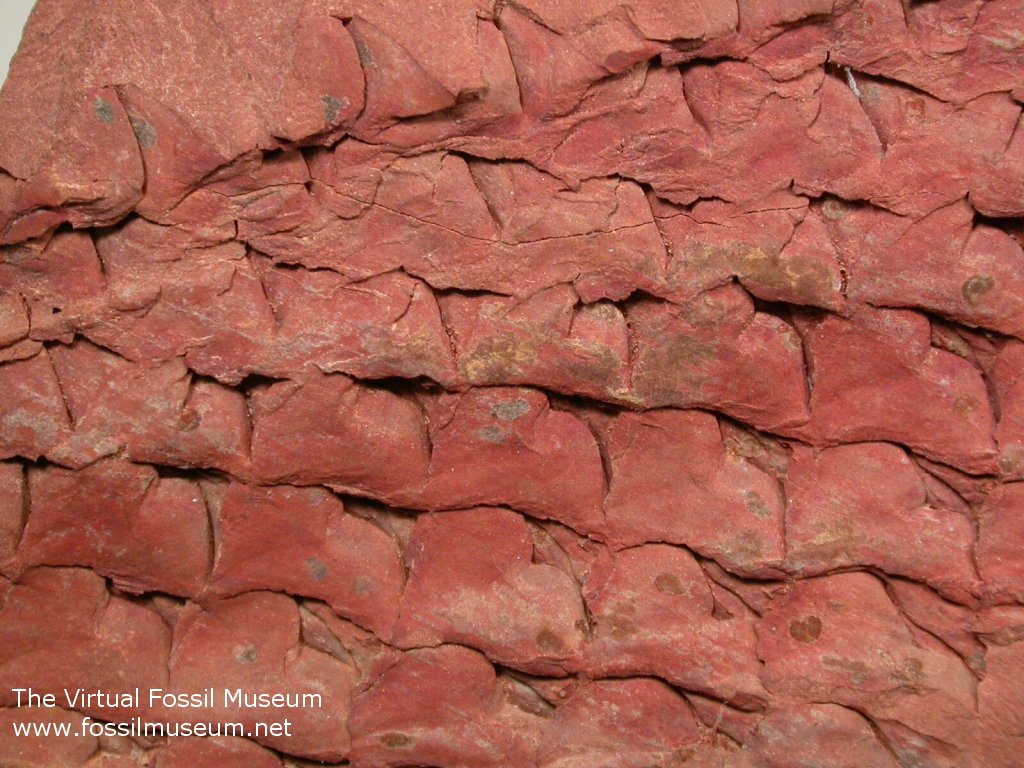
(545, 384)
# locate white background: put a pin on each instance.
(12, 19)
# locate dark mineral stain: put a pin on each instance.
(977, 286)
(144, 132)
(104, 111)
(965, 405)
(833, 209)
(669, 584)
(805, 630)
(396, 741)
(332, 106)
(549, 641)
(510, 410)
(492, 434)
(621, 628)
(361, 585)
(316, 568)
(755, 505)
(246, 654)
(189, 419)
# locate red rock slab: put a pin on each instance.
(473, 581)
(39, 751)
(411, 71)
(1000, 525)
(824, 733)
(33, 417)
(954, 624)
(145, 532)
(547, 340)
(673, 480)
(498, 105)
(655, 615)
(385, 326)
(784, 52)
(912, 745)
(301, 541)
(327, 429)
(60, 279)
(252, 642)
(997, 738)
(93, 639)
(213, 752)
(839, 514)
(174, 294)
(385, 62)
(940, 263)
(716, 351)
(735, 724)
(556, 62)
(933, 150)
(285, 86)
(507, 446)
(440, 706)
(20, 350)
(839, 639)
(92, 54)
(1008, 381)
(517, 230)
(13, 319)
(259, 187)
(1000, 705)
(955, 53)
(13, 510)
(91, 175)
(692, 135)
(876, 377)
(325, 631)
(775, 246)
(301, 62)
(629, 723)
(156, 412)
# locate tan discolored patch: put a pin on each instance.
(965, 405)
(669, 584)
(246, 654)
(857, 670)
(549, 642)
(975, 287)
(834, 209)
(805, 630)
(396, 741)
(189, 419)
(756, 505)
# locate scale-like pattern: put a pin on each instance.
(543, 383)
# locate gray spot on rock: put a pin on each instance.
(756, 505)
(492, 434)
(977, 286)
(246, 654)
(511, 410)
(104, 110)
(144, 132)
(332, 107)
(316, 568)
(362, 585)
